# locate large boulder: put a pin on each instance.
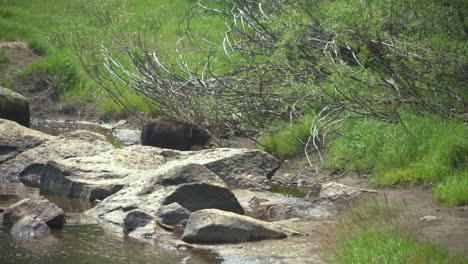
(15, 139)
(30, 227)
(38, 208)
(179, 185)
(14, 106)
(216, 226)
(73, 144)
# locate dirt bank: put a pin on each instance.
(38, 87)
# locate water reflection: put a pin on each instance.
(117, 137)
(86, 244)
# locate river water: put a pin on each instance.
(83, 240)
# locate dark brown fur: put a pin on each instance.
(166, 133)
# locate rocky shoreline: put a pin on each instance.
(206, 198)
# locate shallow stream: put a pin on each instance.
(82, 240)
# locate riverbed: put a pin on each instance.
(82, 240)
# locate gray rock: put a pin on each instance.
(173, 214)
(73, 144)
(30, 227)
(197, 196)
(14, 106)
(39, 208)
(135, 219)
(190, 173)
(216, 226)
(57, 180)
(173, 185)
(15, 139)
(147, 232)
(249, 169)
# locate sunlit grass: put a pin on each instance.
(288, 140)
(422, 150)
(375, 234)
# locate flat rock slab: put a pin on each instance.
(141, 168)
(56, 179)
(73, 144)
(15, 138)
(39, 208)
(216, 226)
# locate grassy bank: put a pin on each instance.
(421, 150)
(49, 27)
(375, 234)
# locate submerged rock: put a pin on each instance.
(38, 208)
(14, 106)
(135, 219)
(216, 226)
(30, 227)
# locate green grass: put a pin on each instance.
(422, 150)
(288, 140)
(3, 58)
(48, 27)
(6, 82)
(374, 234)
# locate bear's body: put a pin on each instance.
(170, 134)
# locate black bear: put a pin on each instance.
(166, 133)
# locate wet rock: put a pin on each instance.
(14, 106)
(31, 175)
(30, 227)
(146, 232)
(56, 179)
(39, 208)
(216, 226)
(135, 219)
(73, 144)
(15, 139)
(173, 214)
